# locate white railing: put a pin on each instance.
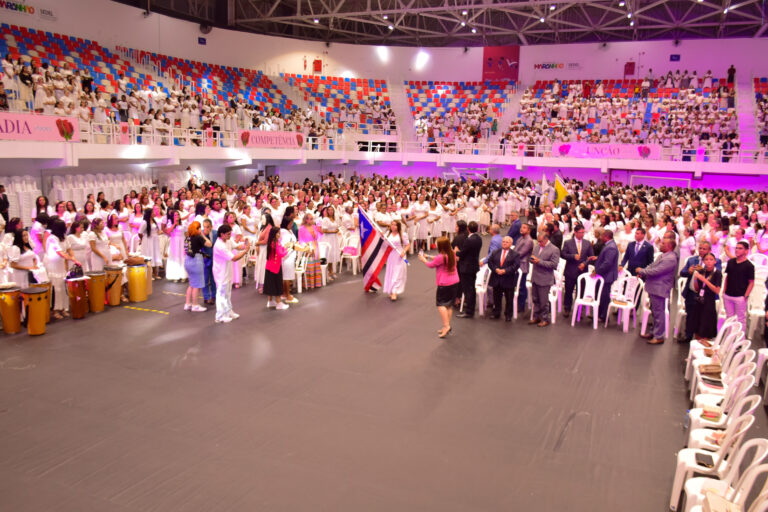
(373, 129)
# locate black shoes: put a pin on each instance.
(465, 315)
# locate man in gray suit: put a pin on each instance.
(659, 280)
(524, 247)
(544, 261)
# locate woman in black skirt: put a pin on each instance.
(447, 280)
(706, 285)
(273, 276)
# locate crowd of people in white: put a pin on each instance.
(458, 127)
(318, 225)
(582, 112)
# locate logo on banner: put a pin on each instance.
(37, 127)
(557, 65)
(22, 7)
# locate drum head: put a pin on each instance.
(7, 286)
(10, 290)
(113, 268)
(33, 291)
(95, 274)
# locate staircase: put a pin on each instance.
(296, 97)
(509, 114)
(745, 109)
(398, 99)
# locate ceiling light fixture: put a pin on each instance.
(552, 7)
(629, 15)
(541, 20)
(390, 27)
(463, 24)
(474, 30)
(316, 20)
(464, 12)
(725, 11)
(385, 17)
(622, 3)
(631, 23)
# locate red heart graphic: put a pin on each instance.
(300, 140)
(245, 137)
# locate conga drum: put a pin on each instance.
(137, 283)
(10, 308)
(49, 287)
(78, 297)
(148, 262)
(114, 288)
(36, 304)
(97, 287)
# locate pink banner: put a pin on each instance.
(500, 62)
(279, 140)
(623, 151)
(38, 127)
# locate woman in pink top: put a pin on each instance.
(447, 280)
(273, 276)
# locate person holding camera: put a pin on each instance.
(223, 257)
(706, 288)
(694, 264)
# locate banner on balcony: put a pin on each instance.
(623, 151)
(37, 127)
(277, 140)
(500, 62)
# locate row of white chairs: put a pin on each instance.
(717, 449)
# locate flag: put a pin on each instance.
(374, 253)
(560, 191)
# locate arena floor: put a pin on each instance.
(344, 402)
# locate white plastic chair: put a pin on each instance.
(755, 312)
(687, 465)
(758, 259)
(300, 269)
(588, 290)
(325, 249)
(481, 287)
(695, 488)
(518, 285)
(681, 313)
(697, 437)
(631, 295)
(697, 347)
(735, 392)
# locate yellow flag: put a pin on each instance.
(560, 191)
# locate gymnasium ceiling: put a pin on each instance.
(475, 22)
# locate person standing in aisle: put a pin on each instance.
(739, 280)
(209, 284)
(544, 261)
(223, 259)
(659, 280)
(469, 264)
(447, 280)
(397, 269)
(607, 267)
(576, 252)
(503, 263)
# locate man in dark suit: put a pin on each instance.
(639, 253)
(209, 288)
(514, 226)
(4, 204)
(693, 264)
(576, 251)
(469, 264)
(461, 235)
(503, 263)
(606, 266)
(555, 235)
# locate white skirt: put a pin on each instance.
(396, 274)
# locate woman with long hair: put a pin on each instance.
(397, 269)
(290, 242)
(447, 280)
(99, 242)
(193, 265)
(330, 229)
(56, 266)
(22, 258)
(78, 243)
(150, 241)
(260, 250)
(273, 277)
(174, 228)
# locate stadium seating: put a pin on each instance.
(427, 97)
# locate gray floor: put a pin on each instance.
(345, 402)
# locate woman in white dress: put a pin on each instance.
(22, 259)
(249, 225)
(99, 242)
(406, 217)
(290, 242)
(116, 237)
(149, 234)
(134, 225)
(421, 214)
(397, 270)
(434, 219)
(236, 244)
(78, 245)
(330, 229)
(56, 266)
(687, 247)
(174, 228)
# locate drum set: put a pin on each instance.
(89, 293)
